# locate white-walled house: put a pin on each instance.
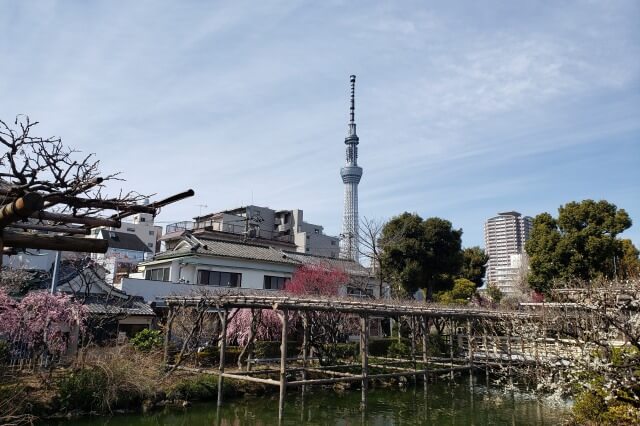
(197, 265)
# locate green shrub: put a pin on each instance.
(271, 349)
(437, 346)
(591, 407)
(380, 347)
(399, 349)
(147, 339)
(84, 390)
(203, 388)
(211, 355)
(346, 351)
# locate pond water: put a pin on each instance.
(461, 403)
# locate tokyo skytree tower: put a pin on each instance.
(351, 175)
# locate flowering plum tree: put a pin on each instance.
(316, 280)
(248, 325)
(40, 320)
(326, 329)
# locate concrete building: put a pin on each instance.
(197, 265)
(281, 229)
(125, 252)
(141, 225)
(351, 174)
(504, 237)
(507, 277)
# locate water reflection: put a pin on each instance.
(465, 402)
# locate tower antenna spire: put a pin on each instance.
(352, 109)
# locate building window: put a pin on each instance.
(143, 219)
(157, 274)
(359, 292)
(333, 242)
(275, 283)
(152, 232)
(150, 244)
(317, 231)
(221, 279)
(131, 230)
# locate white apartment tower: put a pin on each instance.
(504, 238)
(351, 175)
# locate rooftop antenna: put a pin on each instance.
(201, 206)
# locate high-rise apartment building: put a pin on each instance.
(504, 238)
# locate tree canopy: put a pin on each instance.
(420, 254)
(461, 293)
(580, 244)
(474, 262)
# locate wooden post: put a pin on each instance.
(451, 346)
(425, 349)
(485, 343)
(509, 354)
(283, 364)
(364, 354)
(223, 349)
(305, 347)
(414, 324)
(470, 344)
(167, 334)
(537, 355)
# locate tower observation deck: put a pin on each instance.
(351, 174)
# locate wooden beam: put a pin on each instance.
(64, 218)
(85, 203)
(331, 373)
(51, 199)
(158, 204)
(53, 242)
(21, 208)
(375, 376)
(50, 228)
(251, 379)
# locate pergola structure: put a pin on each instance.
(25, 222)
(49, 193)
(418, 313)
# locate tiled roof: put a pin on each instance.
(135, 306)
(220, 248)
(348, 266)
(124, 241)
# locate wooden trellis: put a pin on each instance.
(419, 315)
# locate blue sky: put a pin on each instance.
(463, 110)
